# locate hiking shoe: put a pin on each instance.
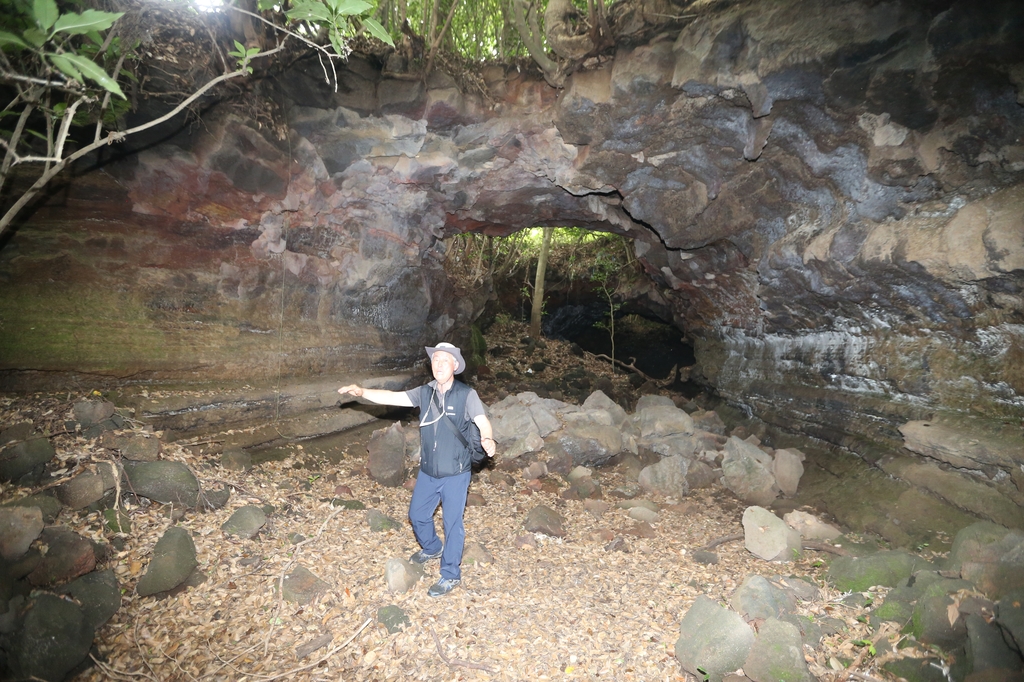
(442, 587)
(422, 557)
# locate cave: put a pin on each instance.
(824, 205)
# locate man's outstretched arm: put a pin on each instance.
(377, 395)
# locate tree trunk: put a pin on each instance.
(538, 284)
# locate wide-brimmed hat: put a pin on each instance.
(460, 363)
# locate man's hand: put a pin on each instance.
(352, 389)
(488, 446)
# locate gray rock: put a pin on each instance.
(757, 598)
(744, 473)
(709, 421)
(214, 499)
(236, 459)
(991, 557)
(702, 556)
(788, 467)
(133, 445)
(53, 637)
(19, 431)
(512, 420)
(768, 537)
(631, 466)
(245, 522)
(393, 618)
(163, 481)
(401, 575)
(598, 400)
(713, 641)
(380, 522)
(632, 503)
(174, 559)
(81, 491)
(644, 514)
(23, 462)
(679, 444)
(48, 505)
(301, 586)
(589, 444)
(700, 475)
(777, 654)
(810, 527)
(386, 456)
(475, 553)
(579, 472)
(986, 647)
(19, 526)
(652, 400)
(661, 420)
(857, 574)
(68, 556)
(667, 477)
(547, 423)
(91, 412)
(528, 444)
(546, 521)
(930, 622)
(99, 595)
(1010, 617)
(535, 470)
(810, 632)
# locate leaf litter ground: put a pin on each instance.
(577, 607)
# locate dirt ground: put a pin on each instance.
(539, 608)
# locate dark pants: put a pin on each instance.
(451, 492)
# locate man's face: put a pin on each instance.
(443, 366)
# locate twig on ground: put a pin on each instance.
(114, 672)
(454, 662)
(722, 541)
(824, 547)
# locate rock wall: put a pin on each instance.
(827, 197)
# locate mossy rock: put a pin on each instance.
(857, 574)
(347, 504)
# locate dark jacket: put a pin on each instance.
(441, 453)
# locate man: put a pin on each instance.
(445, 405)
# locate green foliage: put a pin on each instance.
(243, 55)
(335, 16)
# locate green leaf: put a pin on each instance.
(264, 5)
(11, 39)
(310, 11)
(35, 36)
(347, 7)
(339, 47)
(89, 20)
(66, 66)
(93, 72)
(129, 75)
(45, 13)
(377, 31)
(59, 109)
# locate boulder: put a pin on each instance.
(301, 586)
(174, 559)
(133, 445)
(52, 638)
(99, 595)
(380, 522)
(527, 445)
(48, 505)
(810, 527)
(163, 481)
(245, 522)
(661, 420)
(512, 420)
(787, 468)
(401, 575)
(888, 568)
(777, 654)
(746, 471)
(386, 456)
(19, 526)
(91, 412)
(933, 622)
(546, 521)
(758, 599)
(768, 537)
(236, 459)
(68, 556)
(589, 444)
(23, 462)
(476, 553)
(81, 491)
(990, 556)
(393, 618)
(713, 641)
(667, 477)
(1010, 618)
